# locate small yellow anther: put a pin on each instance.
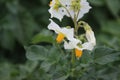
(60, 37)
(78, 53)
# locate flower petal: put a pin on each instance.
(84, 8)
(90, 37)
(57, 13)
(68, 45)
(88, 46)
(72, 44)
(69, 33)
(60, 11)
(54, 26)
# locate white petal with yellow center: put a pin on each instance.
(67, 32)
(73, 45)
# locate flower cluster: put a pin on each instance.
(75, 9)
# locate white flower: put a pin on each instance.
(89, 33)
(84, 8)
(60, 8)
(62, 32)
(90, 37)
(57, 10)
(74, 43)
(78, 46)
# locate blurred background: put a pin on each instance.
(21, 20)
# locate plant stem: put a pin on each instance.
(75, 24)
(72, 58)
(72, 64)
(73, 53)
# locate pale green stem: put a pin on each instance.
(75, 24)
(73, 53)
(76, 31)
(72, 57)
(72, 63)
(78, 13)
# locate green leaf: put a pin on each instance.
(46, 66)
(54, 57)
(36, 52)
(30, 66)
(21, 26)
(97, 2)
(108, 58)
(108, 40)
(86, 57)
(43, 37)
(104, 55)
(62, 78)
(113, 5)
(112, 27)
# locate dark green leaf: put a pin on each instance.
(114, 7)
(45, 36)
(97, 2)
(36, 52)
(86, 57)
(62, 78)
(46, 66)
(112, 27)
(104, 55)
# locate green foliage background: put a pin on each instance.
(28, 50)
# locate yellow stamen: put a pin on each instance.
(78, 53)
(50, 3)
(60, 37)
